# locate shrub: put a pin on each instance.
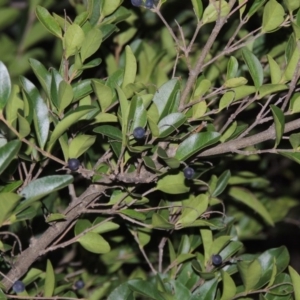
(127, 224)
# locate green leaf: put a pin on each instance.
(235, 82)
(8, 153)
(173, 184)
(292, 64)
(232, 67)
(65, 95)
(207, 240)
(49, 280)
(7, 203)
(145, 288)
(172, 162)
(268, 89)
(292, 4)
(5, 86)
(121, 292)
(48, 21)
(73, 40)
(40, 116)
(229, 287)
(67, 122)
(104, 94)
(41, 187)
(91, 43)
(108, 7)
(255, 7)
(55, 217)
(80, 144)
(160, 223)
(229, 132)
(165, 98)
(109, 131)
(275, 70)
(250, 272)
(273, 16)
(226, 100)
(170, 123)
(199, 110)
(195, 143)
(94, 243)
(137, 116)
(130, 67)
(221, 183)
(124, 106)
(211, 12)
(207, 291)
(296, 282)
(246, 197)
(295, 140)
(193, 208)
(293, 156)
(254, 66)
(279, 123)
(198, 8)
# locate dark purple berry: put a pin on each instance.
(136, 2)
(188, 173)
(139, 133)
(73, 164)
(18, 287)
(79, 284)
(216, 259)
(149, 3)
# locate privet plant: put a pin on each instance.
(133, 153)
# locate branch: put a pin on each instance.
(28, 256)
(234, 145)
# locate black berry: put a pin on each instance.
(73, 164)
(216, 259)
(149, 3)
(18, 287)
(136, 2)
(188, 173)
(139, 133)
(79, 284)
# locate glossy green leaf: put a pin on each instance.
(195, 143)
(81, 89)
(49, 280)
(73, 40)
(7, 153)
(40, 116)
(226, 100)
(232, 68)
(7, 203)
(273, 16)
(293, 156)
(130, 67)
(229, 287)
(124, 106)
(193, 208)
(153, 118)
(250, 272)
(145, 288)
(67, 122)
(173, 184)
(255, 7)
(211, 12)
(65, 95)
(94, 243)
(55, 217)
(48, 21)
(277, 256)
(170, 123)
(91, 43)
(202, 87)
(41, 187)
(172, 162)
(109, 131)
(104, 94)
(24, 126)
(121, 292)
(279, 123)
(199, 109)
(165, 98)
(108, 7)
(160, 223)
(241, 92)
(229, 132)
(221, 183)
(275, 70)
(80, 144)
(5, 86)
(246, 197)
(295, 140)
(198, 8)
(254, 66)
(207, 291)
(137, 116)
(283, 289)
(292, 64)
(296, 282)
(235, 82)
(207, 240)
(268, 89)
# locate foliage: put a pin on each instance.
(127, 159)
